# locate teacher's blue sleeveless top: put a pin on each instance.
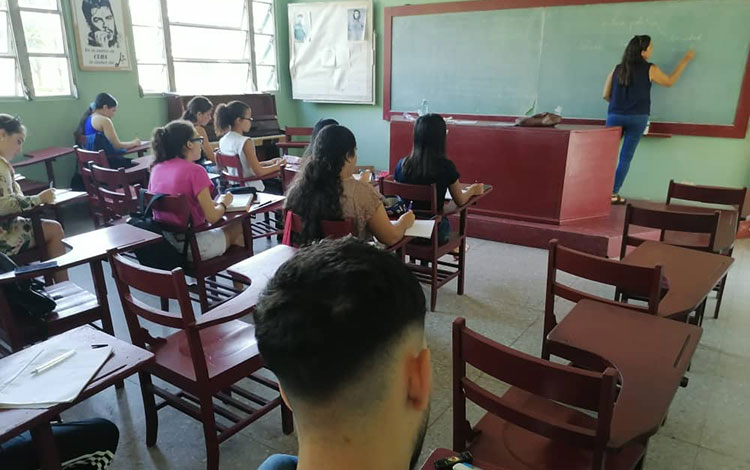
(96, 140)
(634, 98)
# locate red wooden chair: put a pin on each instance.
(290, 133)
(636, 280)
(710, 195)
(437, 272)
(703, 227)
(83, 157)
(537, 423)
(331, 229)
(205, 359)
(117, 197)
(204, 271)
(231, 172)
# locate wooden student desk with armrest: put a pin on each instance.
(650, 354)
(726, 231)
(124, 362)
(691, 274)
(75, 305)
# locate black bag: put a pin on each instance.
(162, 254)
(394, 206)
(26, 297)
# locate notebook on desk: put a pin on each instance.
(241, 202)
(23, 386)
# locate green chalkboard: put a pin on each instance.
(506, 62)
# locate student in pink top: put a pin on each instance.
(176, 147)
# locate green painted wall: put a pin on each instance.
(51, 121)
(698, 159)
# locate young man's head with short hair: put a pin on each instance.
(342, 326)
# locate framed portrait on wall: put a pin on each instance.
(101, 37)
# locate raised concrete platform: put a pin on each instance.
(600, 236)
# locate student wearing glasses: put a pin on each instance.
(232, 121)
(177, 146)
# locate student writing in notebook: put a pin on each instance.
(17, 234)
(428, 164)
(96, 131)
(326, 190)
(177, 146)
(198, 111)
(232, 121)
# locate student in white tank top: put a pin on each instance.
(234, 120)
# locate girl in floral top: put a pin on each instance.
(17, 234)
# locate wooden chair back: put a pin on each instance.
(129, 275)
(708, 194)
(176, 205)
(566, 385)
(116, 196)
(83, 157)
(423, 195)
(636, 281)
(673, 221)
(291, 132)
(330, 228)
(226, 162)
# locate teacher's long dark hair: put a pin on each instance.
(316, 193)
(632, 56)
(428, 148)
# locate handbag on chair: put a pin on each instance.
(26, 297)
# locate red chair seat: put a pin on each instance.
(225, 346)
(509, 445)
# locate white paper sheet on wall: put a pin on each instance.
(331, 52)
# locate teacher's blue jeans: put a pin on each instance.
(633, 126)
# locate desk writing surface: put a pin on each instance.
(126, 360)
(650, 354)
(692, 274)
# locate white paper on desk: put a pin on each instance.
(420, 229)
(61, 383)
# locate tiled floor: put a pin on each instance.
(707, 428)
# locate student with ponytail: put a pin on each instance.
(198, 111)
(628, 90)
(177, 146)
(232, 121)
(325, 190)
(97, 132)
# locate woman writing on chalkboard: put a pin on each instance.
(628, 90)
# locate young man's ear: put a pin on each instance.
(419, 381)
(283, 397)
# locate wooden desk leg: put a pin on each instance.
(100, 285)
(50, 171)
(45, 445)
